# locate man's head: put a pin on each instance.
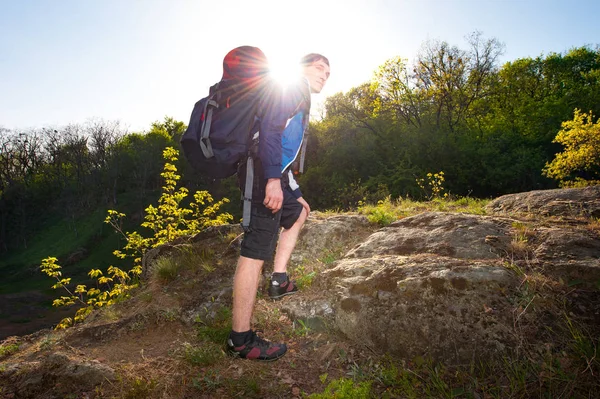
(315, 68)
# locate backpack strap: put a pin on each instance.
(247, 196)
(205, 145)
(207, 114)
(307, 101)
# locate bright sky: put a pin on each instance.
(139, 60)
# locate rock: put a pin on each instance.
(567, 244)
(334, 232)
(456, 235)
(569, 202)
(64, 374)
(313, 313)
(450, 309)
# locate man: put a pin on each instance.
(277, 202)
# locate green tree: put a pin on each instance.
(579, 163)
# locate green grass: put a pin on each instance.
(205, 354)
(217, 329)
(345, 389)
(387, 211)
(8, 349)
(60, 237)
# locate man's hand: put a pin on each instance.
(273, 195)
(305, 205)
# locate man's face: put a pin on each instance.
(317, 74)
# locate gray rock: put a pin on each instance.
(455, 235)
(33, 379)
(427, 305)
(570, 202)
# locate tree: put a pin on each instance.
(453, 79)
(579, 163)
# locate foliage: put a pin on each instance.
(435, 185)
(382, 214)
(165, 269)
(167, 222)
(579, 163)
(217, 328)
(202, 355)
(303, 277)
(8, 349)
(344, 389)
(116, 286)
(170, 220)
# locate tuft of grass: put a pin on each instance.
(304, 277)
(205, 354)
(215, 330)
(344, 388)
(140, 388)
(166, 269)
(48, 342)
(169, 315)
(196, 259)
(302, 329)
(594, 224)
(8, 349)
(383, 213)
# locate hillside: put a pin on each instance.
(436, 304)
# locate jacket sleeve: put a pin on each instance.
(276, 106)
(273, 117)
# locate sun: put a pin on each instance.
(285, 70)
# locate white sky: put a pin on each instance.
(140, 60)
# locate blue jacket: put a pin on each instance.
(283, 122)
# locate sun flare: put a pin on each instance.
(285, 71)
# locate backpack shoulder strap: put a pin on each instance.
(211, 104)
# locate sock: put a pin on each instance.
(240, 338)
(280, 278)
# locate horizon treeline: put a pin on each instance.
(489, 128)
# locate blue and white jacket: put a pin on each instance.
(283, 124)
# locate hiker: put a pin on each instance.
(276, 202)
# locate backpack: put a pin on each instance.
(221, 126)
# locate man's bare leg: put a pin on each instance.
(245, 285)
(287, 243)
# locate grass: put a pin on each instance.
(203, 355)
(166, 269)
(215, 329)
(245, 386)
(8, 349)
(388, 210)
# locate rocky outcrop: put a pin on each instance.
(427, 285)
(570, 202)
(32, 379)
(447, 285)
(453, 235)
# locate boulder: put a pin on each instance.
(455, 235)
(64, 374)
(428, 306)
(568, 202)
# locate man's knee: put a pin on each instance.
(303, 216)
(301, 219)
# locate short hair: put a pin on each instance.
(308, 59)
